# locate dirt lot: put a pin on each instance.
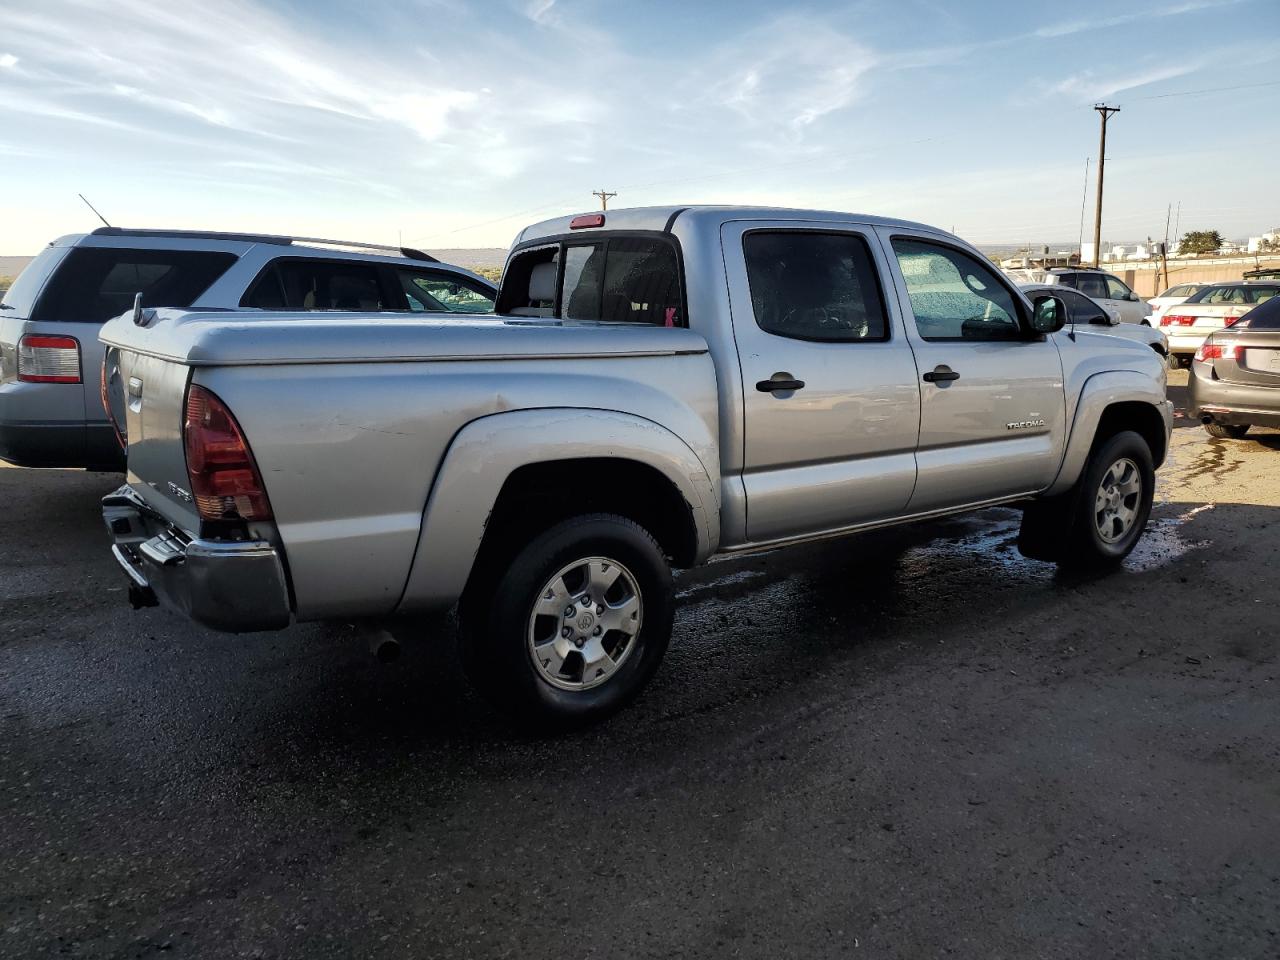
(906, 745)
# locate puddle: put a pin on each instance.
(1163, 542)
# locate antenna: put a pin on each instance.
(94, 209)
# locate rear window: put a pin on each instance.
(614, 279)
(1185, 290)
(1264, 317)
(431, 292)
(1235, 293)
(94, 284)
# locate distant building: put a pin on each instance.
(1271, 239)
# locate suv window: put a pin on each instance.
(288, 284)
(815, 286)
(1091, 285)
(429, 292)
(94, 284)
(1079, 307)
(953, 296)
(1116, 290)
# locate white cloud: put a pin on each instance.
(538, 10)
(1069, 27)
(8, 61)
(1088, 86)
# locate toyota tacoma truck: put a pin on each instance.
(663, 386)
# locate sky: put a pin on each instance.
(443, 123)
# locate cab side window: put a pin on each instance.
(815, 286)
(611, 279)
(953, 296)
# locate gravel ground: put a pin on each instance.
(909, 744)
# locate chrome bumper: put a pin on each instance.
(233, 586)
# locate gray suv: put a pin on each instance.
(51, 408)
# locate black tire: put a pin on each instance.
(1085, 547)
(1174, 361)
(1065, 530)
(1225, 431)
(495, 622)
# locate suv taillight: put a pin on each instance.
(44, 359)
(224, 479)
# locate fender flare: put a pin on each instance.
(1099, 392)
(484, 453)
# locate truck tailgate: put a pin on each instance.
(145, 396)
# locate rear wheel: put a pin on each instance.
(1175, 362)
(1225, 431)
(574, 625)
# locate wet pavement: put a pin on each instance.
(912, 743)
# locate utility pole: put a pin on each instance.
(1105, 113)
(604, 196)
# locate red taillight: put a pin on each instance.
(1177, 320)
(1229, 321)
(224, 479)
(44, 359)
(587, 220)
(1219, 351)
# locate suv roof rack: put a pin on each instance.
(408, 252)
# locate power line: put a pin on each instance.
(1192, 93)
(605, 196)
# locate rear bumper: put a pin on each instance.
(238, 587)
(57, 444)
(1183, 344)
(1233, 404)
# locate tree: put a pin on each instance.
(1200, 241)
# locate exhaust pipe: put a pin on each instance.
(384, 646)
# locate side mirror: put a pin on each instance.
(1102, 320)
(1133, 297)
(1049, 315)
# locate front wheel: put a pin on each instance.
(575, 625)
(1225, 431)
(1099, 522)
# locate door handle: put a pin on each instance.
(778, 382)
(941, 374)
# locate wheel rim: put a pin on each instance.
(1115, 505)
(584, 623)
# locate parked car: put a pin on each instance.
(1170, 298)
(1087, 312)
(665, 385)
(51, 409)
(1235, 375)
(1105, 288)
(1212, 308)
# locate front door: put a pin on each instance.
(993, 410)
(831, 396)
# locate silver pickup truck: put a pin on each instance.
(665, 386)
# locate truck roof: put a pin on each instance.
(664, 218)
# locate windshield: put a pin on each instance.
(1235, 293)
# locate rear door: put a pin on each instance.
(1123, 301)
(993, 411)
(831, 396)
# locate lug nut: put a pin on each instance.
(599, 609)
(580, 641)
(597, 632)
(566, 633)
(568, 611)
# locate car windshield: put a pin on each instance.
(1235, 293)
